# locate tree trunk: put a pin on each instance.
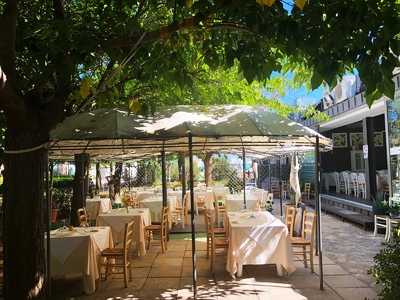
(80, 190)
(208, 168)
(24, 215)
(98, 178)
(117, 177)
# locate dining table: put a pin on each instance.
(155, 205)
(235, 202)
(257, 238)
(96, 206)
(117, 218)
(76, 252)
(205, 195)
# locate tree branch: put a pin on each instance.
(9, 100)
(162, 33)
(63, 61)
(8, 26)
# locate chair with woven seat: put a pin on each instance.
(117, 258)
(290, 218)
(160, 229)
(82, 217)
(216, 238)
(304, 245)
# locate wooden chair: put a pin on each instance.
(160, 229)
(181, 213)
(82, 217)
(382, 221)
(216, 238)
(307, 190)
(354, 184)
(290, 218)
(200, 203)
(284, 189)
(300, 244)
(362, 186)
(117, 258)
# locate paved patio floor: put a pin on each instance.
(168, 276)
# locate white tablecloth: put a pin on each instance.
(97, 206)
(208, 198)
(143, 195)
(258, 238)
(78, 252)
(155, 206)
(234, 202)
(117, 218)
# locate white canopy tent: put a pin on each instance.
(252, 130)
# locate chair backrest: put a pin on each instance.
(128, 236)
(186, 200)
(164, 219)
(307, 189)
(309, 220)
(337, 178)
(290, 217)
(361, 178)
(82, 217)
(209, 222)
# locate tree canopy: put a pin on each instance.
(60, 57)
(88, 51)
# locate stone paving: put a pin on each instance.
(348, 253)
(350, 246)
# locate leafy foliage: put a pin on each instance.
(149, 52)
(386, 269)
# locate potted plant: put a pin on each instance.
(394, 210)
(61, 203)
(379, 205)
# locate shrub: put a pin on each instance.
(63, 182)
(386, 269)
(62, 201)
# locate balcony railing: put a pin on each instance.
(339, 108)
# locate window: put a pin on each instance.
(357, 160)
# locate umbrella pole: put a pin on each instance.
(191, 179)
(163, 178)
(244, 177)
(318, 211)
(280, 186)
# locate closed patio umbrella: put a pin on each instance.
(294, 178)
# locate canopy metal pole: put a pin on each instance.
(129, 177)
(191, 179)
(183, 175)
(163, 178)
(280, 186)
(269, 175)
(318, 211)
(49, 189)
(244, 177)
